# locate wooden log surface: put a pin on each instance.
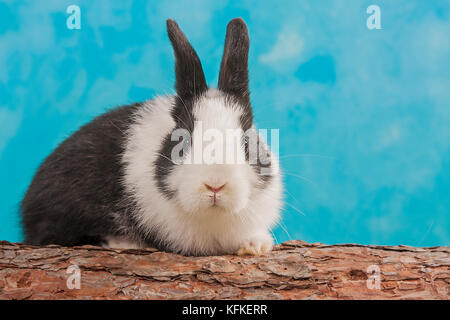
(293, 270)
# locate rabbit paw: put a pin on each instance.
(256, 245)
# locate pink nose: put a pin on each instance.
(214, 189)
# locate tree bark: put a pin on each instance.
(293, 270)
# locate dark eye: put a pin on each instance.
(186, 144)
(246, 142)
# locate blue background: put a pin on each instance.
(363, 114)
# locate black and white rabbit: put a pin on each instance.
(114, 183)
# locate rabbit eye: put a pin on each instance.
(246, 141)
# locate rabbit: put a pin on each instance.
(114, 184)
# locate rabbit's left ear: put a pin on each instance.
(233, 77)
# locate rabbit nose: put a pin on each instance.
(214, 189)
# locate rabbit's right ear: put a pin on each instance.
(190, 80)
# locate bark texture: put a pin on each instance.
(294, 270)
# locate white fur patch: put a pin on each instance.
(189, 222)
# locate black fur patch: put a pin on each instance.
(76, 197)
(261, 168)
(190, 84)
(184, 119)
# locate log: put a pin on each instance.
(293, 270)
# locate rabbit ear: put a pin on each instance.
(190, 80)
(233, 77)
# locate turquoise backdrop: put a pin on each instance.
(363, 114)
